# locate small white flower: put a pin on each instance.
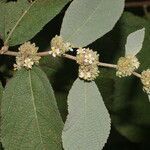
(88, 73)
(28, 63)
(81, 74)
(87, 57)
(81, 51)
(55, 52)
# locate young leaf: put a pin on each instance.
(88, 123)
(87, 20)
(21, 20)
(30, 117)
(135, 42)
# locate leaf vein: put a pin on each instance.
(35, 111)
(19, 20)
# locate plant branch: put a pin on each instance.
(10, 53)
(136, 74)
(145, 9)
(137, 4)
(107, 65)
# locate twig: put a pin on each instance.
(43, 53)
(145, 9)
(4, 49)
(107, 65)
(69, 57)
(64, 55)
(137, 4)
(10, 53)
(136, 74)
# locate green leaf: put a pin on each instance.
(131, 104)
(30, 117)
(87, 20)
(21, 20)
(88, 123)
(1, 93)
(135, 42)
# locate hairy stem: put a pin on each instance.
(10, 53)
(107, 65)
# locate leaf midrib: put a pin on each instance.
(85, 102)
(19, 20)
(53, 105)
(86, 20)
(34, 107)
(85, 112)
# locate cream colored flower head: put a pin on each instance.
(87, 57)
(88, 63)
(27, 56)
(127, 65)
(145, 78)
(59, 47)
(28, 49)
(88, 73)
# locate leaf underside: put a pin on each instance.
(87, 20)
(135, 42)
(88, 123)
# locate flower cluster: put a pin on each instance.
(88, 72)
(127, 65)
(145, 78)
(59, 47)
(87, 57)
(88, 61)
(27, 56)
